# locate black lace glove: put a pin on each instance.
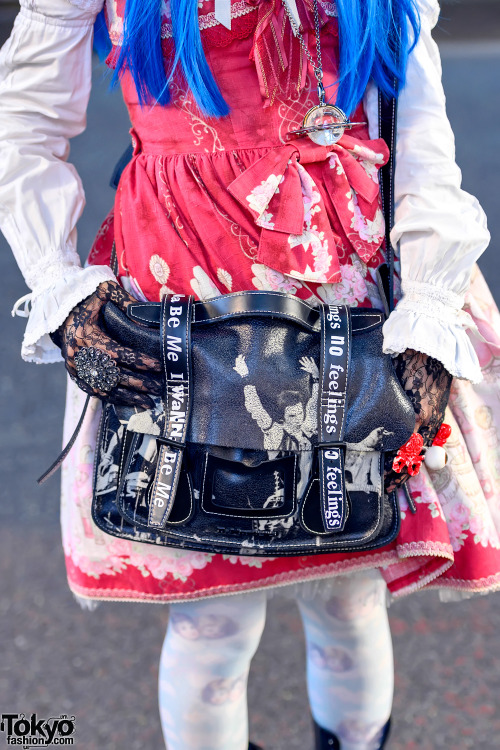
(427, 384)
(138, 374)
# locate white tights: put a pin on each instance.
(210, 643)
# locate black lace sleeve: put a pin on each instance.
(427, 384)
(138, 373)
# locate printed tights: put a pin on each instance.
(209, 645)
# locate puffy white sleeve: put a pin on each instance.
(45, 79)
(440, 229)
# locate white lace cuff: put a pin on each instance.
(51, 306)
(431, 320)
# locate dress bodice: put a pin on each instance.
(259, 67)
(234, 191)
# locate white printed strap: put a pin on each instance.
(175, 334)
(335, 360)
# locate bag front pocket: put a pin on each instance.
(232, 488)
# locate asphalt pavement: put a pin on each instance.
(102, 666)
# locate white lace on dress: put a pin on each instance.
(206, 20)
(209, 20)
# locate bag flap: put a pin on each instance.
(256, 388)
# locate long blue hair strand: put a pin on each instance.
(376, 37)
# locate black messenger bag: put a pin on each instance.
(271, 434)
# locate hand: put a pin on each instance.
(309, 365)
(427, 384)
(139, 374)
(241, 366)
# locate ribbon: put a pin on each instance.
(222, 12)
(296, 236)
(279, 59)
(294, 11)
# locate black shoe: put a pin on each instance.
(251, 746)
(325, 740)
(385, 734)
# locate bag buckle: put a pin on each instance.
(170, 442)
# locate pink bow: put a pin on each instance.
(297, 238)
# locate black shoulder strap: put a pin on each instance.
(387, 112)
(120, 166)
(57, 463)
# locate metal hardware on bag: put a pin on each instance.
(168, 441)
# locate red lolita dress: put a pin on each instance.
(216, 206)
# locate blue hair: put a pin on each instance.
(376, 37)
(102, 42)
(374, 45)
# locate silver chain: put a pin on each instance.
(318, 66)
(337, 127)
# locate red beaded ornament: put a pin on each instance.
(409, 456)
(443, 434)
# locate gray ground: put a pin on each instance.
(102, 667)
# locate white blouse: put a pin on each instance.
(45, 79)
